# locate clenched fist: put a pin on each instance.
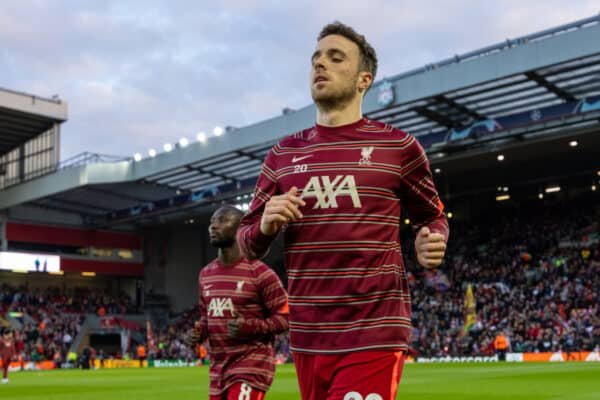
(430, 248)
(280, 210)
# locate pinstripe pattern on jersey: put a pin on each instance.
(326, 219)
(372, 323)
(342, 246)
(346, 349)
(399, 144)
(343, 256)
(256, 292)
(339, 272)
(349, 299)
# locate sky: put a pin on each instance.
(138, 74)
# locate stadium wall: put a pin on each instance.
(513, 357)
(173, 259)
(34, 233)
(41, 282)
(175, 255)
(81, 250)
(43, 216)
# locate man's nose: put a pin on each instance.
(318, 63)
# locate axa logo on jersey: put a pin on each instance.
(327, 190)
(218, 306)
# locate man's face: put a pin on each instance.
(334, 74)
(223, 227)
(7, 336)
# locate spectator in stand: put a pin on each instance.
(141, 354)
(501, 346)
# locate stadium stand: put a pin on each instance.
(535, 272)
(50, 320)
(502, 126)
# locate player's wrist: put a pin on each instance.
(267, 229)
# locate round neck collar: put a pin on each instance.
(333, 129)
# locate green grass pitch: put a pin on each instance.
(573, 381)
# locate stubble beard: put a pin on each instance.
(222, 243)
(336, 99)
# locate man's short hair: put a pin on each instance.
(367, 52)
(233, 210)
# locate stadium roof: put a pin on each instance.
(556, 66)
(24, 116)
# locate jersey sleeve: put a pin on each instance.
(274, 302)
(418, 193)
(203, 314)
(252, 242)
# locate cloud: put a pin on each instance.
(139, 73)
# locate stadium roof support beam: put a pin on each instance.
(249, 155)
(435, 117)
(184, 181)
(117, 195)
(216, 159)
(76, 204)
(241, 168)
(540, 80)
(211, 173)
(164, 185)
(62, 209)
(463, 109)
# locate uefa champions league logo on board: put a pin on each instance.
(386, 94)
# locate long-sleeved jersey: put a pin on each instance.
(7, 350)
(251, 291)
(347, 283)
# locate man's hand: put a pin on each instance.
(430, 248)
(234, 327)
(280, 210)
(195, 334)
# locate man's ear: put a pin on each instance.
(365, 79)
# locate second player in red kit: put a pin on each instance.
(7, 353)
(243, 305)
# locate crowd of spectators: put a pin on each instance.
(535, 276)
(51, 319)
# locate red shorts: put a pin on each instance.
(240, 391)
(364, 375)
